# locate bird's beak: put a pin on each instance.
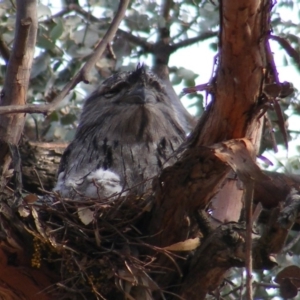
(140, 95)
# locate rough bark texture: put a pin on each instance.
(224, 248)
(40, 162)
(237, 88)
(240, 75)
(17, 77)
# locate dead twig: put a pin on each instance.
(288, 48)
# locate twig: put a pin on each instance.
(29, 108)
(288, 48)
(137, 41)
(38, 177)
(291, 244)
(271, 62)
(4, 51)
(191, 41)
(165, 10)
(16, 159)
(79, 10)
(84, 73)
(198, 88)
(249, 192)
(185, 28)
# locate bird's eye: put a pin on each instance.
(111, 93)
(115, 90)
(156, 85)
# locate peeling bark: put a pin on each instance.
(237, 89)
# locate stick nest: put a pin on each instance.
(97, 249)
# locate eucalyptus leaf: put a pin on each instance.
(86, 36)
(57, 30)
(40, 64)
(68, 119)
(45, 42)
(43, 10)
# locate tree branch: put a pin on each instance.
(29, 108)
(288, 48)
(17, 77)
(4, 51)
(185, 29)
(82, 12)
(166, 7)
(191, 41)
(137, 41)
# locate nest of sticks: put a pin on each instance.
(98, 249)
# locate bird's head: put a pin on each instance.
(134, 105)
(137, 87)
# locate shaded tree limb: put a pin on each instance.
(148, 47)
(184, 30)
(202, 37)
(281, 219)
(248, 199)
(165, 9)
(202, 278)
(288, 48)
(29, 108)
(236, 92)
(4, 50)
(225, 90)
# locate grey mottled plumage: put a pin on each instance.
(127, 132)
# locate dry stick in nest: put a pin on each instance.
(76, 227)
(249, 193)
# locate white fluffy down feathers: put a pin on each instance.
(100, 183)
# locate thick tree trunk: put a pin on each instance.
(232, 114)
(237, 89)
